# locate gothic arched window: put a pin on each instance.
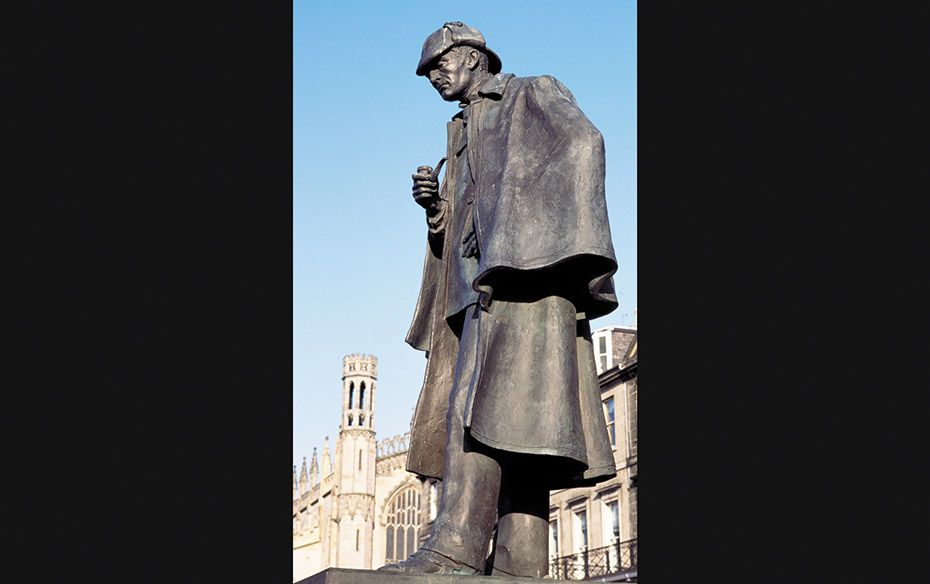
(361, 396)
(403, 524)
(351, 393)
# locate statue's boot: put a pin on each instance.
(521, 545)
(425, 561)
(522, 542)
(461, 533)
(471, 482)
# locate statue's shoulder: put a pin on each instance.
(543, 84)
(530, 81)
(541, 81)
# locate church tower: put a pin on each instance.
(355, 465)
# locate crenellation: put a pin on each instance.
(394, 445)
(360, 364)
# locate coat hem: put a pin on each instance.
(601, 471)
(547, 261)
(510, 447)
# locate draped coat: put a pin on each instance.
(540, 218)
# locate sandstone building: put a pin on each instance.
(360, 508)
(592, 530)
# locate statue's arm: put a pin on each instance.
(436, 222)
(428, 194)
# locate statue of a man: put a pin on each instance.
(519, 259)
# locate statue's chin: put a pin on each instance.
(448, 95)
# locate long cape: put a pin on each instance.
(541, 220)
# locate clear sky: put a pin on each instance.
(363, 122)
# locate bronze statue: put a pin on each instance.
(519, 259)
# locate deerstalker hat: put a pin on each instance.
(453, 34)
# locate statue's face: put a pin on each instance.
(452, 73)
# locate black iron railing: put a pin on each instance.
(611, 559)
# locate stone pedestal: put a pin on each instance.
(346, 576)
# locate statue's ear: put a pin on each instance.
(472, 59)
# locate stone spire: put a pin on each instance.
(355, 464)
(296, 492)
(303, 477)
(314, 470)
(327, 461)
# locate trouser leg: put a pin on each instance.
(522, 533)
(471, 476)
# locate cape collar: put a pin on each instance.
(493, 88)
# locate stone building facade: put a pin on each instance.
(363, 509)
(592, 530)
(348, 509)
(611, 345)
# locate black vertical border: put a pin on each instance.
(782, 371)
(149, 425)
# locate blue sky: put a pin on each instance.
(363, 122)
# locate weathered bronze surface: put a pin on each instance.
(347, 576)
(519, 259)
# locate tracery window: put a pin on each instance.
(403, 524)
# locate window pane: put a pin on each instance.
(583, 517)
(609, 414)
(410, 540)
(614, 509)
(390, 544)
